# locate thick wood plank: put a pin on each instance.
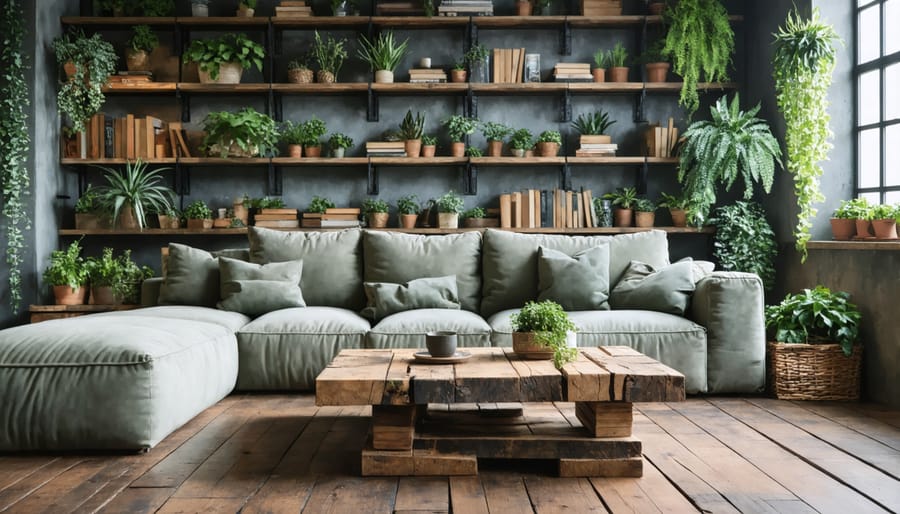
(586, 381)
(393, 426)
(206, 505)
(333, 494)
(138, 499)
(22, 489)
(339, 451)
(467, 495)
(549, 495)
(423, 494)
(650, 494)
(72, 485)
(505, 492)
(630, 467)
(354, 377)
(397, 390)
(870, 427)
(531, 447)
(605, 419)
(539, 380)
(13, 469)
(486, 377)
(636, 377)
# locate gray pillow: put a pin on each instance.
(386, 298)
(667, 289)
(579, 282)
(191, 278)
(255, 289)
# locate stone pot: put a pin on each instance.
(525, 346)
(618, 74)
(458, 75)
(199, 10)
(458, 149)
(338, 153)
(104, 295)
(137, 60)
(441, 343)
(885, 229)
(65, 295)
(295, 151)
(622, 217)
(547, 149)
(428, 150)
(843, 229)
(229, 73)
(384, 76)
(599, 74)
(518, 152)
(657, 71)
(413, 147)
(300, 76)
(644, 219)
(523, 8)
(448, 220)
(325, 77)
(495, 148)
(313, 151)
(408, 221)
(377, 219)
(679, 217)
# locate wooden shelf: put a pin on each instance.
(122, 21)
(242, 231)
(153, 232)
(862, 244)
(622, 161)
(260, 22)
(319, 22)
(419, 161)
(420, 21)
(109, 162)
(518, 161)
(140, 88)
(320, 161)
(196, 87)
(636, 87)
(319, 88)
(226, 161)
(520, 88)
(433, 88)
(396, 161)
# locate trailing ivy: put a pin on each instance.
(745, 241)
(14, 141)
(803, 64)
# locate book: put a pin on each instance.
(343, 210)
(340, 217)
(109, 137)
(273, 217)
(505, 205)
(292, 212)
(339, 223)
(278, 223)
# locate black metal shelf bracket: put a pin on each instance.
(470, 107)
(182, 180)
(372, 179)
(185, 101)
(470, 180)
(82, 181)
(642, 178)
(565, 177)
(565, 39)
(275, 181)
(638, 116)
(372, 107)
(565, 110)
(277, 106)
(471, 35)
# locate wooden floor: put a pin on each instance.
(280, 453)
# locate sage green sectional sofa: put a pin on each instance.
(125, 380)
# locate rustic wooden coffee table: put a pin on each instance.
(432, 419)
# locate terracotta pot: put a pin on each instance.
(622, 217)
(428, 150)
(495, 148)
(657, 71)
(137, 60)
(618, 74)
(325, 77)
(448, 220)
(457, 75)
(885, 229)
(843, 229)
(384, 76)
(313, 151)
(222, 222)
(245, 12)
(524, 346)
(295, 151)
(104, 295)
(65, 295)
(679, 217)
(481, 222)
(377, 219)
(229, 73)
(241, 212)
(863, 229)
(413, 147)
(408, 220)
(523, 8)
(167, 222)
(547, 149)
(199, 224)
(599, 74)
(300, 76)
(644, 219)
(458, 149)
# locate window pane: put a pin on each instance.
(871, 197)
(892, 155)
(869, 150)
(869, 34)
(891, 22)
(892, 92)
(892, 197)
(869, 97)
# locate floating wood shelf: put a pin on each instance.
(320, 161)
(319, 88)
(392, 161)
(196, 87)
(427, 231)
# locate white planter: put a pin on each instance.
(199, 10)
(229, 73)
(384, 76)
(448, 220)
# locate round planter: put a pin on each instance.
(245, 12)
(524, 346)
(523, 8)
(599, 74)
(234, 150)
(199, 224)
(413, 147)
(679, 217)
(457, 75)
(313, 151)
(458, 149)
(547, 149)
(229, 73)
(813, 371)
(103, 295)
(622, 217)
(137, 60)
(65, 295)
(885, 229)
(448, 220)
(127, 220)
(325, 77)
(618, 74)
(295, 151)
(863, 229)
(338, 153)
(300, 76)
(481, 222)
(657, 71)
(384, 76)
(377, 219)
(408, 221)
(644, 219)
(495, 148)
(428, 150)
(199, 10)
(441, 343)
(842, 229)
(517, 152)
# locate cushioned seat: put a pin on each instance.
(121, 380)
(287, 348)
(407, 329)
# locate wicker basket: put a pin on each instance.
(813, 371)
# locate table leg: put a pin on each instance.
(393, 426)
(605, 419)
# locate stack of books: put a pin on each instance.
(596, 146)
(399, 8)
(534, 208)
(338, 217)
(572, 72)
(509, 65)
(466, 8)
(130, 77)
(427, 75)
(276, 218)
(601, 7)
(659, 141)
(293, 9)
(385, 149)
(127, 137)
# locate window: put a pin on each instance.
(877, 76)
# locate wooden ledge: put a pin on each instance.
(865, 244)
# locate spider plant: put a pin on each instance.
(138, 187)
(384, 53)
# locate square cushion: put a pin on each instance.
(332, 263)
(191, 276)
(578, 282)
(386, 298)
(666, 289)
(407, 329)
(397, 258)
(255, 289)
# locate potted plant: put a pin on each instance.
(523, 7)
(851, 218)
(408, 210)
(113, 7)
(474, 151)
(67, 274)
(169, 218)
(449, 205)
(311, 132)
(131, 276)
(383, 55)
(520, 142)
(340, 7)
(222, 60)
(330, 54)
(678, 206)
(88, 62)
(411, 130)
(91, 210)
(548, 143)
(376, 211)
(624, 199)
(477, 57)
(198, 215)
(292, 136)
(246, 8)
(429, 145)
(133, 192)
(494, 133)
(655, 63)
(592, 127)
(540, 331)
(733, 143)
(601, 64)
(644, 212)
(458, 71)
(142, 42)
(744, 241)
(816, 353)
(246, 133)
(200, 8)
(476, 217)
(320, 204)
(298, 71)
(103, 274)
(458, 127)
(339, 143)
(618, 67)
(884, 221)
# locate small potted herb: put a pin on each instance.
(222, 60)
(624, 199)
(246, 133)
(540, 331)
(655, 63)
(320, 204)
(330, 54)
(292, 136)
(618, 67)
(476, 217)
(67, 274)
(520, 142)
(411, 131)
(449, 205)
(458, 71)
(644, 212)
(847, 218)
(246, 8)
(339, 143)
(429, 145)
(601, 64)
(311, 132)
(408, 210)
(115, 280)
(548, 143)
(198, 215)
(474, 151)
(679, 208)
(299, 72)
(495, 133)
(477, 57)
(884, 221)
(142, 42)
(376, 211)
(92, 211)
(593, 127)
(458, 127)
(169, 218)
(383, 55)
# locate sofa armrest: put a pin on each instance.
(731, 305)
(150, 291)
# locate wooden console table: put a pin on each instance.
(48, 312)
(431, 419)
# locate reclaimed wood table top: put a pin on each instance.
(393, 377)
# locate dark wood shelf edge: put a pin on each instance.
(426, 231)
(858, 245)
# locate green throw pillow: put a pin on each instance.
(191, 278)
(667, 289)
(579, 282)
(255, 289)
(386, 298)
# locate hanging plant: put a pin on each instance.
(745, 241)
(803, 64)
(699, 41)
(90, 60)
(14, 178)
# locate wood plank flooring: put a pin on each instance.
(281, 453)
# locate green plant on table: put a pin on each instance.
(745, 241)
(412, 127)
(373, 205)
(593, 124)
(254, 133)
(855, 209)
(450, 202)
(734, 143)
(150, 8)
(211, 54)
(103, 271)
(408, 204)
(339, 140)
(320, 204)
(264, 203)
(644, 205)
(618, 56)
(137, 187)
(550, 136)
(311, 131)
(67, 267)
(384, 53)
(475, 212)
(815, 316)
(143, 38)
(550, 323)
(329, 53)
(428, 140)
(91, 202)
(198, 210)
(458, 127)
(624, 197)
(494, 131)
(459, 65)
(803, 65)
(94, 59)
(521, 139)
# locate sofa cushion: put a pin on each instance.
(577, 282)
(385, 298)
(407, 329)
(191, 278)
(332, 263)
(397, 258)
(255, 289)
(288, 348)
(667, 289)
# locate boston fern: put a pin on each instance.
(745, 241)
(734, 143)
(803, 64)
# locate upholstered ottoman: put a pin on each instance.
(122, 380)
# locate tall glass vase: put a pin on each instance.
(479, 71)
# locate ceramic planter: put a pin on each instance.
(547, 149)
(199, 224)
(622, 217)
(679, 217)
(384, 76)
(644, 219)
(295, 151)
(408, 221)
(657, 71)
(481, 222)
(413, 147)
(863, 229)
(495, 148)
(377, 219)
(199, 10)
(103, 295)
(300, 76)
(448, 220)
(245, 12)
(842, 229)
(885, 229)
(525, 346)
(518, 152)
(229, 73)
(137, 60)
(428, 150)
(65, 295)
(313, 151)
(618, 74)
(458, 75)
(599, 74)
(338, 153)
(458, 149)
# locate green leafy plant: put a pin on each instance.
(624, 197)
(412, 127)
(494, 131)
(550, 323)
(408, 204)
(459, 65)
(311, 131)
(458, 127)
(90, 202)
(94, 59)
(143, 38)
(734, 143)
(236, 223)
(474, 151)
(299, 63)
(329, 53)
(883, 212)
(210, 54)
(383, 53)
(150, 8)
(253, 132)
(373, 205)
(198, 210)
(249, 4)
(803, 64)
(521, 139)
(653, 53)
(428, 140)
(677, 202)
(644, 205)
(745, 241)
(593, 124)
(855, 209)
(320, 204)
(104, 270)
(815, 316)
(67, 267)
(477, 53)
(339, 140)
(550, 136)
(137, 187)
(112, 6)
(602, 59)
(699, 42)
(618, 56)
(264, 203)
(449, 202)
(131, 275)
(475, 212)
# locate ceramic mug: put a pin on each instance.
(441, 343)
